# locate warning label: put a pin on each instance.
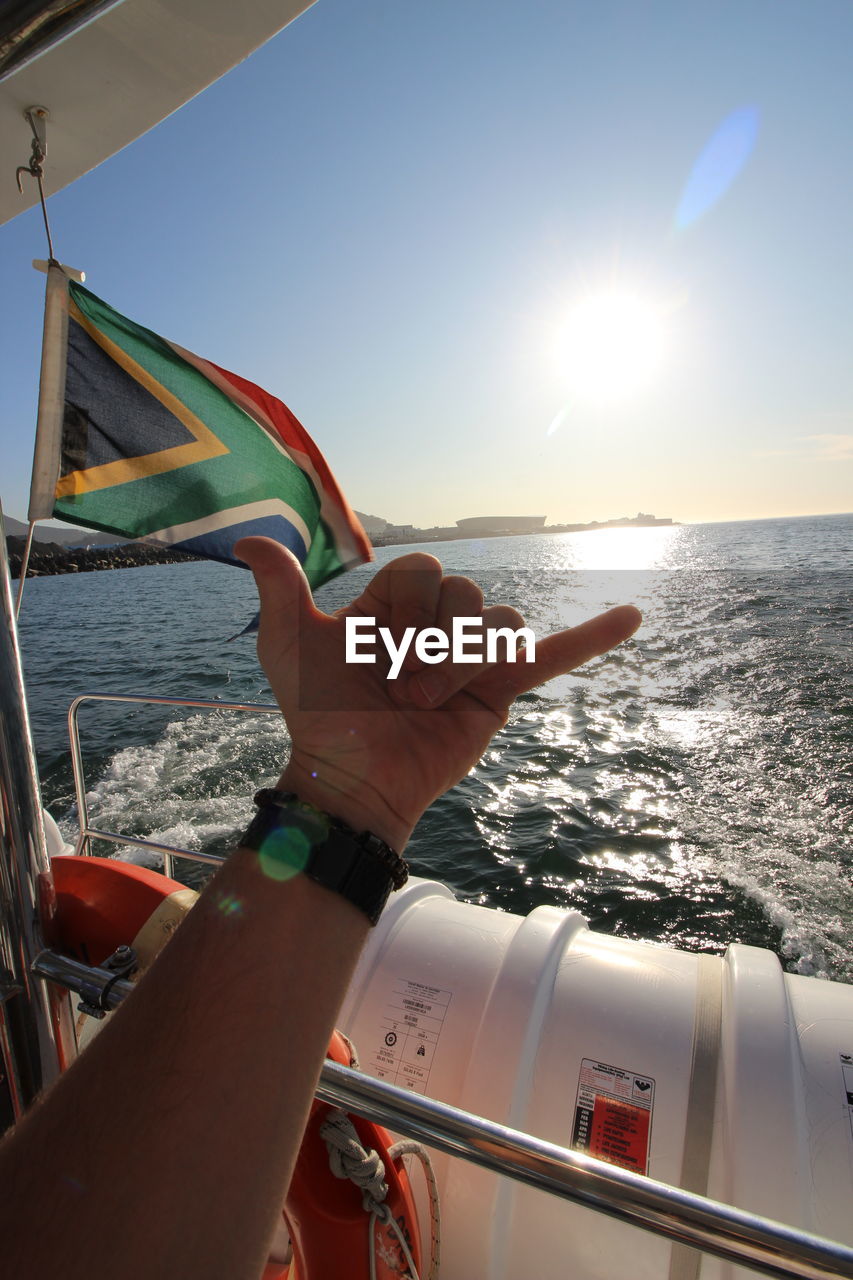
(847, 1082)
(409, 1032)
(613, 1115)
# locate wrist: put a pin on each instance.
(355, 803)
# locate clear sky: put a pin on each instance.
(563, 258)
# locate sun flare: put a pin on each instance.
(611, 346)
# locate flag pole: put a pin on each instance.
(51, 406)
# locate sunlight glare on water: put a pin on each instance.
(624, 549)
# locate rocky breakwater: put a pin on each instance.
(48, 558)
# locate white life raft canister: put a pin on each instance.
(723, 1075)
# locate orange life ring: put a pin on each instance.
(91, 906)
(328, 1225)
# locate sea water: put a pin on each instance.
(695, 787)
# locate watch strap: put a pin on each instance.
(292, 836)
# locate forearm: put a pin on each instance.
(190, 1097)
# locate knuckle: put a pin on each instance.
(415, 560)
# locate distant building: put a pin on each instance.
(500, 524)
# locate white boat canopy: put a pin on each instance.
(107, 72)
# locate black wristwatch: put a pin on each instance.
(293, 836)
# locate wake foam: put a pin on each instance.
(192, 788)
(758, 818)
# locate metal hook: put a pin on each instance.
(37, 117)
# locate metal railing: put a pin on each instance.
(87, 831)
(692, 1220)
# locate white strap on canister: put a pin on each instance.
(701, 1099)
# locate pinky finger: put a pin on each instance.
(566, 650)
(558, 654)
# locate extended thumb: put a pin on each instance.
(282, 586)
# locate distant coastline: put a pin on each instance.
(398, 535)
(48, 558)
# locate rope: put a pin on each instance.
(353, 1055)
(25, 564)
(408, 1147)
(348, 1159)
(383, 1214)
(38, 174)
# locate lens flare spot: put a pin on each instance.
(229, 905)
(722, 159)
(557, 421)
(284, 853)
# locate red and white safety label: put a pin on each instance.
(613, 1115)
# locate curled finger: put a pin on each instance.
(475, 648)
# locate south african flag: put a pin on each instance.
(160, 444)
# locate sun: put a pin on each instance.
(611, 346)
